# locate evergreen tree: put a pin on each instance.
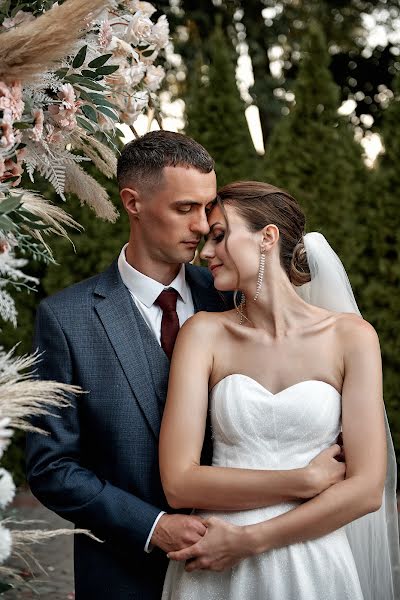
(381, 294)
(314, 156)
(215, 112)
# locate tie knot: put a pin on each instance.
(167, 300)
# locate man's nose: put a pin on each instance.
(200, 224)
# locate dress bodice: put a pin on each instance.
(253, 428)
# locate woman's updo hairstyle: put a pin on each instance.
(261, 204)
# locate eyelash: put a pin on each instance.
(218, 238)
(185, 209)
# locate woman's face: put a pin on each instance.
(233, 258)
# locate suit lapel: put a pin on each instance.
(205, 296)
(120, 319)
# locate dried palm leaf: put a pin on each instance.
(33, 47)
(78, 182)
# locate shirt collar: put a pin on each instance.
(146, 289)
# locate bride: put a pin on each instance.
(286, 371)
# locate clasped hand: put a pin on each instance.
(217, 545)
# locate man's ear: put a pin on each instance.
(131, 201)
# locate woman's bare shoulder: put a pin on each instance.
(207, 323)
(354, 331)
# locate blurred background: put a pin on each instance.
(302, 94)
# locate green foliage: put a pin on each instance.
(381, 294)
(215, 112)
(314, 156)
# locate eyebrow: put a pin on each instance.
(192, 202)
(211, 229)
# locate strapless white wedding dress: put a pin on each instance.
(255, 429)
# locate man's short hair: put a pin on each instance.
(142, 160)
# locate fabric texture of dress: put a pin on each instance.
(255, 429)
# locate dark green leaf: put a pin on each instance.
(61, 73)
(85, 82)
(79, 58)
(99, 61)
(101, 101)
(108, 112)
(6, 224)
(22, 125)
(107, 70)
(89, 74)
(89, 112)
(85, 124)
(9, 204)
(28, 215)
(4, 587)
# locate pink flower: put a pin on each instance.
(37, 131)
(10, 168)
(64, 114)
(105, 34)
(11, 98)
(7, 139)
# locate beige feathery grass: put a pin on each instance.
(51, 215)
(22, 396)
(99, 154)
(31, 48)
(78, 182)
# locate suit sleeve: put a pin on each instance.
(54, 472)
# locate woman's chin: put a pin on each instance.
(223, 286)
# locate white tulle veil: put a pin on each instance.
(374, 538)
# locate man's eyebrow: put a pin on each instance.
(186, 202)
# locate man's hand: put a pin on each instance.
(174, 532)
(325, 470)
(221, 548)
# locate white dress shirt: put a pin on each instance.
(145, 292)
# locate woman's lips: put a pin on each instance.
(214, 267)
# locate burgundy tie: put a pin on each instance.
(170, 322)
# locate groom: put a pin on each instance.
(113, 335)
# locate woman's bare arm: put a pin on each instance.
(224, 544)
(364, 440)
(186, 483)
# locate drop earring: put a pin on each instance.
(260, 276)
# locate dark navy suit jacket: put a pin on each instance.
(99, 466)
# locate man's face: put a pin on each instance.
(172, 218)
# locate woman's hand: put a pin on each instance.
(222, 547)
(323, 471)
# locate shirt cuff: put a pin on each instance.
(148, 547)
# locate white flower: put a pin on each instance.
(154, 77)
(120, 48)
(20, 17)
(145, 7)
(135, 73)
(5, 434)
(159, 35)
(139, 29)
(5, 544)
(7, 488)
